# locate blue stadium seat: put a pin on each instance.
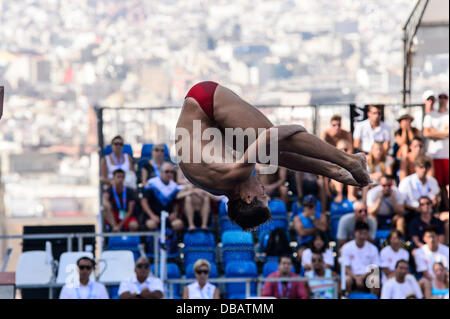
(127, 149)
(240, 269)
(223, 209)
(226, 224)
(237, 245)
(277, 207)
(213, 273)
(380, 237)
(113, 292)
(271, 266)
(199, 238)
(362, 295)
(342, 208)
(334, 223)
(237, 239)
(123, 243)
(279, 217)
(171, 244)
(173, 272)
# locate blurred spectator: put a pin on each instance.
(371, 130)
(386, 204)
(311, 184)
(283, 289)
(436, 128)
(438, 287)
(275, 184)
(144, 285)
(430, 253)
(308, 222)
(160, 195)
(84, 288)
(346, 226)
(391, 254)
(320, 289)
(335, 133)
(117, 160)
(405, 134)
(119, 203)
(201, 289)
(357, 256)
(402, 284)
(407, 163)
(419, 184)
(153, 166)
(428, 98)
(319, 245)
(425, 219)
(379, 162)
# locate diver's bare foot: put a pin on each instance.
(359, 170)
(343, 176)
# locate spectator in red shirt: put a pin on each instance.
(283, 289)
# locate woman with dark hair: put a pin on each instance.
(318, 244)
(118, 160)
(392, 253)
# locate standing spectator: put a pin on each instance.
(119, 203)
(201, 289)
(357, 256)
(283, 289)
(419, 184)
(84, 288)
(435, 128)
(118, 160)
(335, 133)
(402, 284)
(153, 166)
(405, 134)
(424, 220)
(379, 162)
(430, 253)
(320, 289)
(346, 226)
(391, 254)
(160, 195)
(428, 98)
(144, 285)
(309, 221)
(317, 245)
(438, 287)
(372, 130)
(386, 204)
(407, 163)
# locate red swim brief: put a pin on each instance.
(203, 93)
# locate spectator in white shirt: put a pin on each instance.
(402, 285)
(84, 288)
(372, 130)
(318, 244)
(390, 255)
(386, 204)
(144, 285)
(419, 184)
(429, 99)
(360, 258)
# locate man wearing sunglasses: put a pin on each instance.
(84, 287)
(334, 133)
(320, 289)
(144, 285)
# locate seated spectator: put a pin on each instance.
(153, 166)
(119, 203)
(118, 160)
(144, 285)
(436, 129)
(275, 184)
(391, 254)
(319, 245)
(160, 195)
(283, 289)
(407, 163)
(425, 219)
(429, 99)
(346, 225)
(430, 253)
(357, 256)
(308, 222)
(372, 130)
(201, 288)
(379, 162)
(405, 134)
(401, 285)
(311, 184)
(83, 288)
(386, 204)
(419, 184)
(320, 289)
(335, 133)
(438, 287)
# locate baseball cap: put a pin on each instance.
(427, 94)
(309, 199)
(405, 115)
(443, 93)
